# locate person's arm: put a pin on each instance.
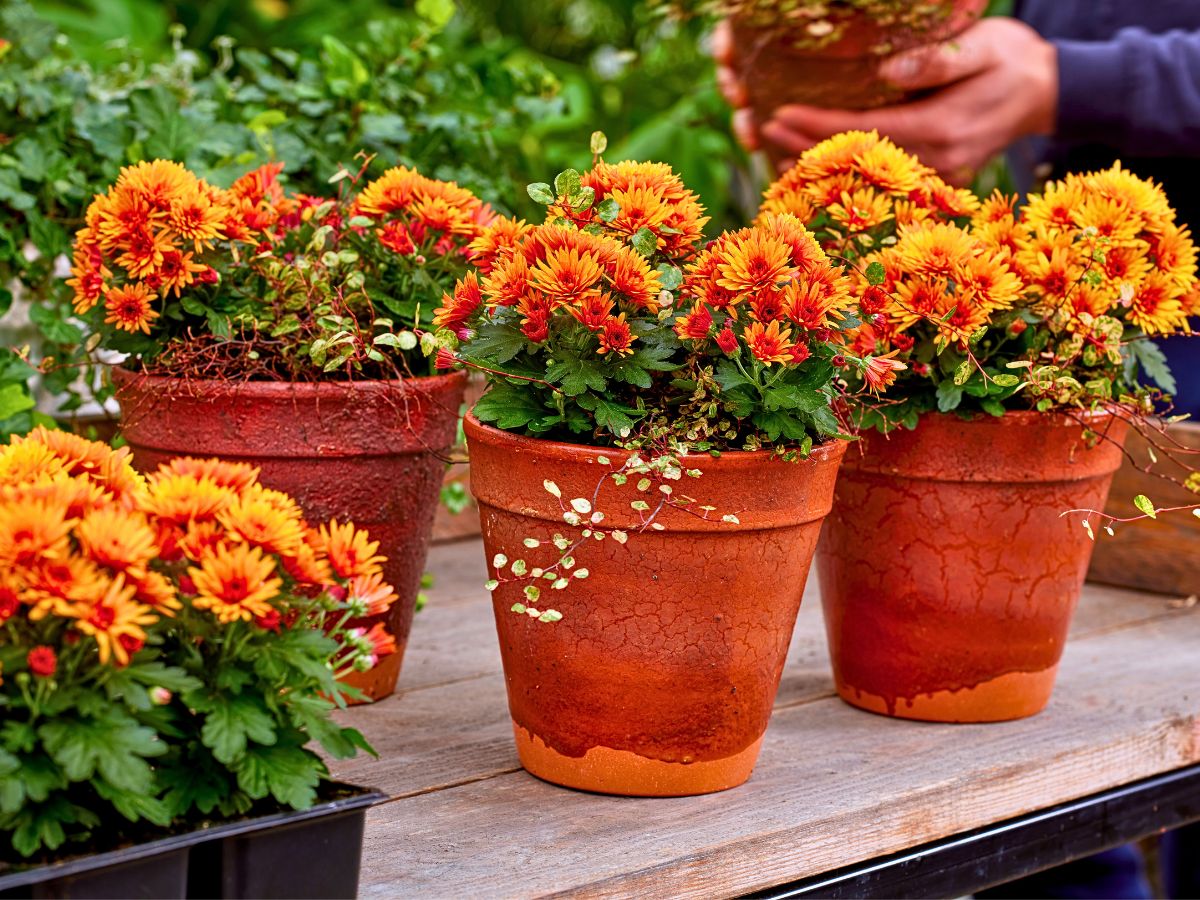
(1138, 93)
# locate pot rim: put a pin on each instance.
(826, 452)
(124, 377)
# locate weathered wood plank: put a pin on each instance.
(834, 786)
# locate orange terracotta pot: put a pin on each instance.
(369, 451)
(660, 677)
(778, 68)
(948, 574)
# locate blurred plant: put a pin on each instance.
(403, 94)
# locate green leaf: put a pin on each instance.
(876, 273)
(610, 416)
(669, 277)
(437, 13)
(607, 210)
(1006, 381)
(14, 398)
(992, 406)
(576, 375)
(1145, 506)
(963, 373)
(540, 192)
(52, 322)
(232, 722)
(599, 143)
(644, 242)
(567, 183)
(1153, 362)
(494, 345)
(949, 396)
(115, 746)
(509, 406)
(288, 774)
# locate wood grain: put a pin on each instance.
(1156, 555)
(833, 786)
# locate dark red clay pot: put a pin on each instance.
(777, 69)
(660, 677)
(369, 451)
(948, 574)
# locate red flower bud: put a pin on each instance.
(839, 361)
(799, 353)
(445, 359)
(269, 622)
(42, 661)
(727, 340)
(1017, 327)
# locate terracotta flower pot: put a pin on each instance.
(368, 451)
(948, 574)
(784, 64)
(660, 677)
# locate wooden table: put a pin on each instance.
(835, 787)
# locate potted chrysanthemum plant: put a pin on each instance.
(827, 52)
(286, 331)
(1025, 339)
(652, 460)
(170, 648)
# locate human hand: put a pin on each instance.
(995, 83)
(732, 87)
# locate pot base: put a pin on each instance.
(606, 771)
(380, 681)
(1016, 695)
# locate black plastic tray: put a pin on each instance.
(299, 853)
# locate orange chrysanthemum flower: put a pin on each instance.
(33, 531)
(180, 499)
(265, 519)
(350, 551)
(236, 583)
(122, 541)
(130, 309)
(615, 337)
(458, 309)
(421, 212)
(753, 259)
(770, 343)
(233, 475)
(115, 621)
(375, 595)
(647, 195)
(879, 372)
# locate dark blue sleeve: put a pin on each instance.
(1138, 93)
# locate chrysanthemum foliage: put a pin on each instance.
(992, 307)
(612, 321)
(169, 645)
